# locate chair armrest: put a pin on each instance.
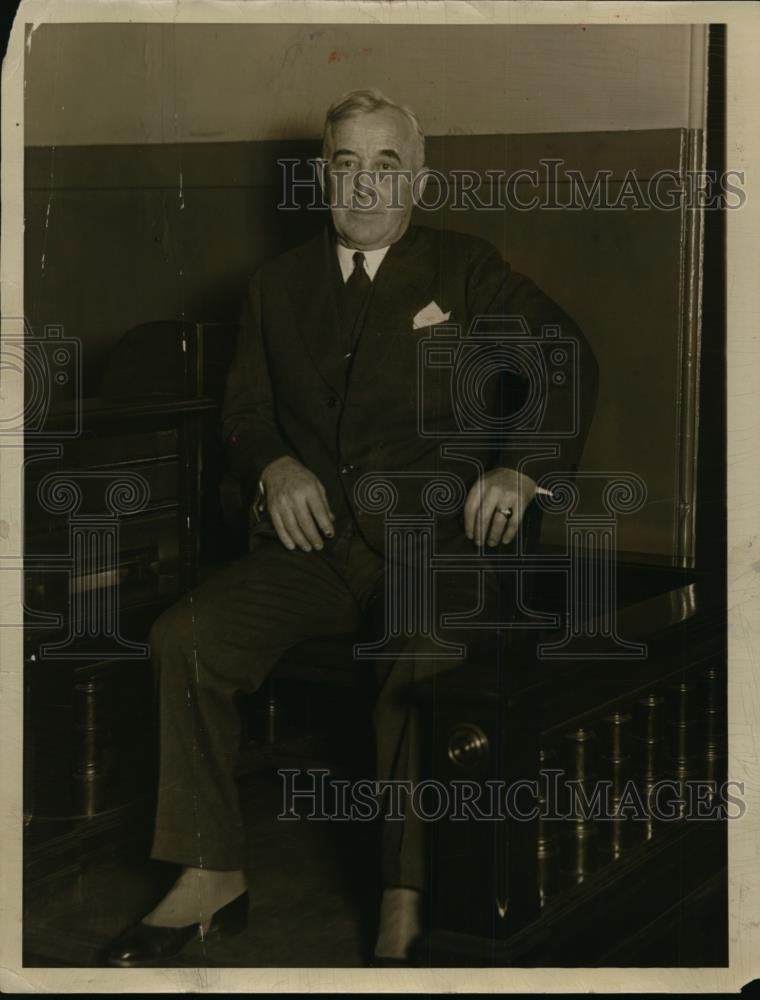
(234, 503)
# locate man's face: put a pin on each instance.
(372, 160)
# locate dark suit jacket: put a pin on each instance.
(291, 391)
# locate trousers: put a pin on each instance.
(225, 636)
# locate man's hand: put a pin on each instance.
(485, 513)
(297, 503)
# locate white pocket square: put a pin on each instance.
(429, 315)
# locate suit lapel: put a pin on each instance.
(401, 286)
(316, 311)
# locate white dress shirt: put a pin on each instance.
(372, 260)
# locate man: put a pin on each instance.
(323, 391)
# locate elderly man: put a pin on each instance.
(323, 390)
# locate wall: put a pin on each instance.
(91, 84)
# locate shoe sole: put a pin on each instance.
(231, 929)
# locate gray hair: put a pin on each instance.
(359, 101)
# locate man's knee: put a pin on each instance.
(187, 648)
(179, 665)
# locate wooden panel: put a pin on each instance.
(254, 164)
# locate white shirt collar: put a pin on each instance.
(372, 260)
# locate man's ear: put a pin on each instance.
(420, 183)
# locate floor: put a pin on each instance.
(305, 876)
(313, 885)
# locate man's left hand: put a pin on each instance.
(486, 513)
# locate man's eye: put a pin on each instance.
(347, 164)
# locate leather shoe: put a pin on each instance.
(146, 945)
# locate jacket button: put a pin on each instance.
(332, 401)
(346, 470)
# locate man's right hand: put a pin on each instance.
(297, 503)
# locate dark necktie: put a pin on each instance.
(355, 294)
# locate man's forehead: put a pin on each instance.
(385, 123)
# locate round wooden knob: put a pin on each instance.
(468, 745)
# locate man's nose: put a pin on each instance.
(365, 187)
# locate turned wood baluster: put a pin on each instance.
(712, 710)
(91, 739)
(649, 725)
(579, 840)
(616, 768)
(547, 840)
(682, 735)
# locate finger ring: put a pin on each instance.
(505, 511)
